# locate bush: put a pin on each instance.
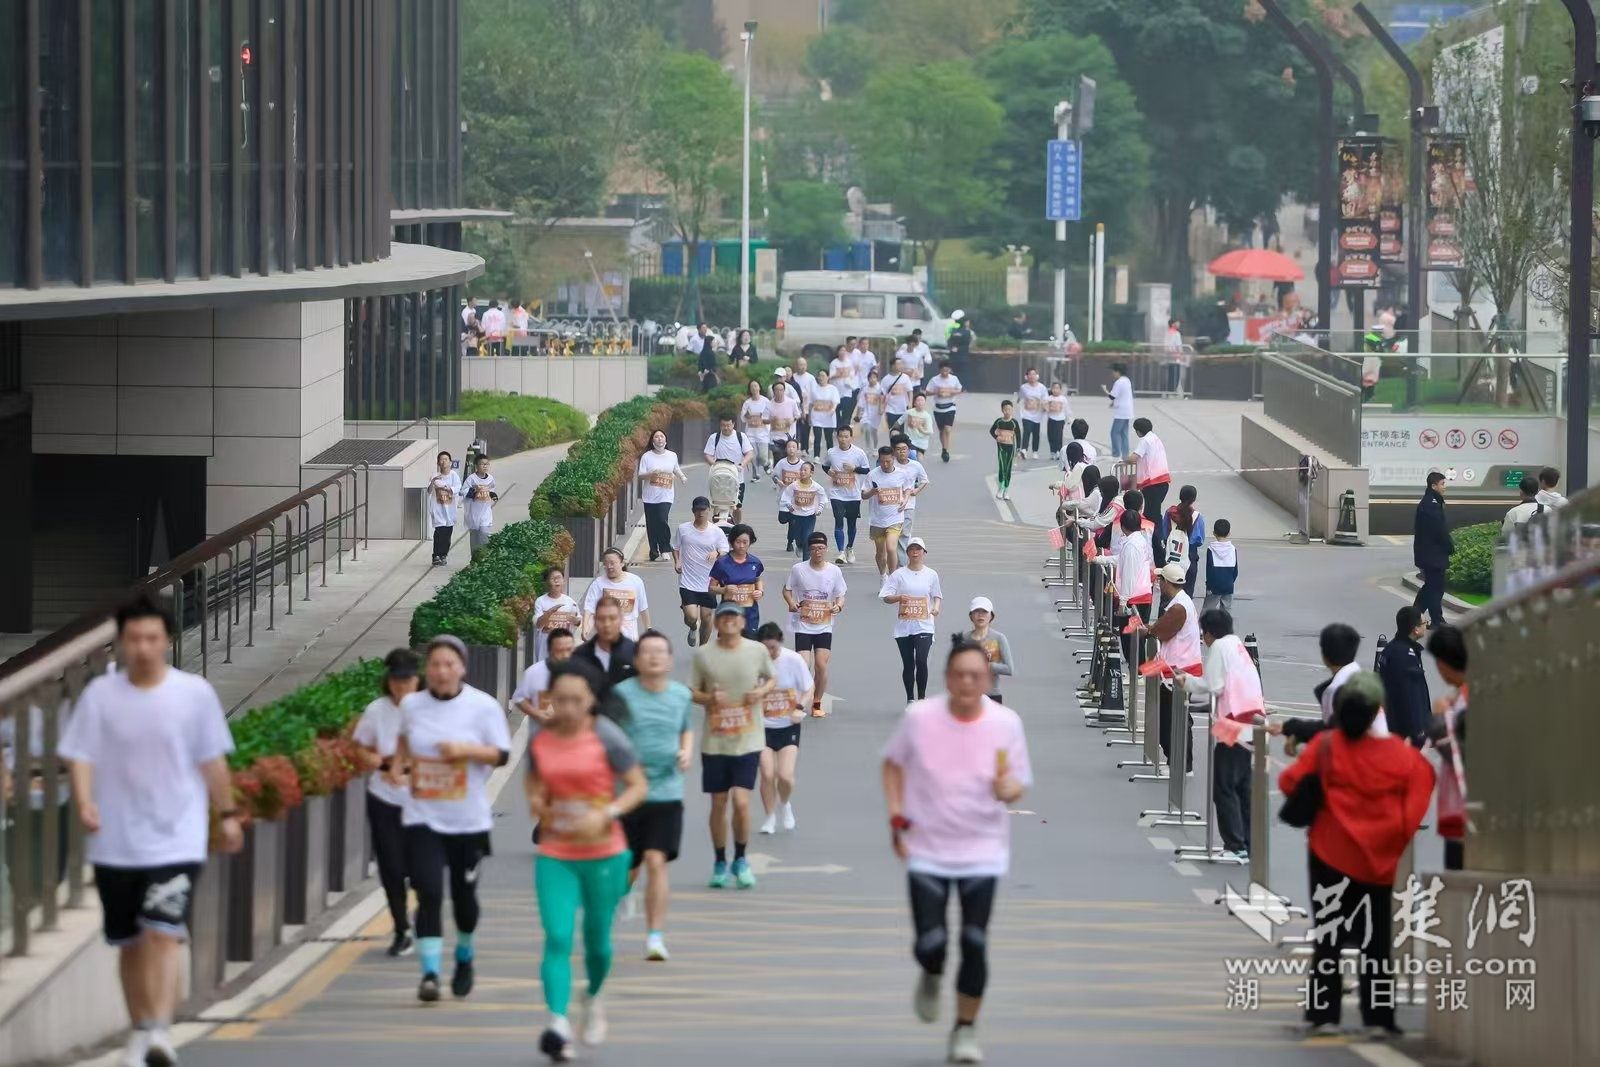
(1471, 568)
(600, 463)
(541, 420)
(488, 601)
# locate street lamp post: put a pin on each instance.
(1063, 116)
(748, 36)
(1585, 127)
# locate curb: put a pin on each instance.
(1454, 603)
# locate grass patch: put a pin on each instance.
(1475, 599)
(1433, 395)
(542, 421)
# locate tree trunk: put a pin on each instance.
(1172, 245)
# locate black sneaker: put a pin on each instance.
(401, 945)
(461, 981)
(945, 455)
(558, 1048)
(428, 991)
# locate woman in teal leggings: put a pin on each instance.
(583, 776)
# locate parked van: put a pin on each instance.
(818, 309)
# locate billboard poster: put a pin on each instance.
(1360, 201)
(1446, 180)
(1392, 208)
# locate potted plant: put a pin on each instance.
(324, 768)
(265, 792)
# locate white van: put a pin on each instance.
(818, 309)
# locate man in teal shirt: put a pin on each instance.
(660, 728)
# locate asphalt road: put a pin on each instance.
(1102, 950)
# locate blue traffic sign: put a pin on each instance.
(1063, 181)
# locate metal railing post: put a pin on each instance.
(323, 496)
(288, 566)
(227, 604)
(177, 623)
(305, 550)
(201, 597)
(338, 552)
(22, 881)
(50, 808)
(250, 620)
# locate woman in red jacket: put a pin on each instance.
(1375, 792)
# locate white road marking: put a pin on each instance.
(1380, 1055)
(1161, 844)
(1185, 868)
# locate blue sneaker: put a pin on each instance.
(742, 873)
(719, 875)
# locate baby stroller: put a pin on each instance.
(722, 486)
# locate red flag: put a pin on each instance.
(1058, 540)
(1134, 625)
(1152, 667)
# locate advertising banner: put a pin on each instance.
(1447, 180)
(1392, 209)
(1360, 201)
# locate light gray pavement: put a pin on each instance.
(1102, 951)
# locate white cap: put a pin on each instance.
(958, 314)
(981, 603)
(1176, 573)
(916, 542)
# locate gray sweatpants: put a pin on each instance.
(905, 530)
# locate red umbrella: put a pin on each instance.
(1257, 263)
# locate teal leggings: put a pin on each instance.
(562, 886)
(1004, 453)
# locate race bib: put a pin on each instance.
(991, 648)
(891, 496)
(822, 407)
(433, 779)
(914, 607)
(844, 479)
(754, 422)
(742, 595)
(1056, 407)
(726, 722)
(661, 479)
(789, 477)
(779, 703)
(625, 597)
(561, 619)
(444, 494)
(1004, 436)
(900, 388)
(1030, 403)
(815, 612)
(805, 498)
(946, 392)
(781, 425)
(481, 492)
(566, 815)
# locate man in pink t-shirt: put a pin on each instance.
(953, 766)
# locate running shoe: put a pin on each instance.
(719, 875)
(850, 556)
(964, 1047)
(816, 710)
(925, 998)
(461, 980)
(944, 454)
(655, 949)
(402, 944)
(556, 1041)
(842, 557)
(1309, 1031)
(133, 1052)
(787, 814)
(428, 990)
(593, 1022)
(1384, 1033)
(160, 1053)
(694, 632)
(769, 825)
(742, 874)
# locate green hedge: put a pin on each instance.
(1471, 568)
(487, 601)
(542, 421)
(600, 462)
(292, 723)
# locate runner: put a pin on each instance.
(1121, 396)
(659, 471)
(803, 501)
(783, 412)
(608, 651)
(869, 411)
(147, 746)
(945, 387)
(954, 766)
(888, 489)
(802, 382)
(755, 415)
(554, 610)
(479, 493)
(915, 590)
(1030, 396)
(866, 359)
(696, 546)
(737, 577)
(1057, 410)
(822, 411)
(846, 465)
(731, 679)
(842, 373)
(914, 353)
(662, 733)
(583, 779)
(622, 586)
(452, 736)
(731, 445)
(896, 388)
(906, 462)
(992, 641)
(1005, 430)
(815, 592)
(378, 732)
(444, 497)
(782, 715)
(785, 473)
(919, 425)
(532, 695)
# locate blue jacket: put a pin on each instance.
(1222, 567)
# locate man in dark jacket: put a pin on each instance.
(608, 651)
(1430, 549)
(1405, 682)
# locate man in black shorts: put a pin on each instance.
(944, 387)
(147, 747)
(815, 592)
(695, 547)
(784, 712)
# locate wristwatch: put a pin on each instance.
(899, 823)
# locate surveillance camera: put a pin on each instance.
(1589, 114)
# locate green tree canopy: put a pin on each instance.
(804, 218)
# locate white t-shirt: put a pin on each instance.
(733, 447)
(753, 416)
(146, 747)
(807, 584)
(1057, 408)
(825, 396)
(800, 499)
(944, 389)
(866, 362)
(571, 619)
(919, 472)
(1088, 452)
(1122, 398)
(659, 471)
(480, 513)
(916, 615)
(1030, 400)
(842, 375)
(804, 383)
(884, 513)
(697, 550)
(494, 322)
(785, 473)
(534, 687)
(844, 475)
(443, 512)
(629, 590)
(783, 413)
(896, 390)
(916, 359)
(451, 797)
(794, 681)
(379, 729)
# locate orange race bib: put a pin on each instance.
(780, 425)
(779, 703)
(1056, 407)
(433, 779)
(805, 498)
(1005, 437)
(900, 388)
(624, 597)
(444, 494)
(822, 407)
(565, 815)
(843, 479)
(755, 422)
(1030, 403)
(946, 392)
(560, 619)
(891, 496)
(742, 595)
(789, 477)
(991, 648)
(730, 721)
(914, 607)
(661, 479)
(815, 612)
(481, 492)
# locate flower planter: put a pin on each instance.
(255, 893)
(488, 667)
(208, 929)
(586, 544)
(305, 867)
(347, 849)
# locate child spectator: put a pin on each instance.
(1222, 568)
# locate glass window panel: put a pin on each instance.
(187, 66)
(149, 192)
(852, 306)
(59, 116)
(298, 123)
(105, 133)
(250, 140)
(269, 121)
(219, 59)
(13, 160)
(811, 305)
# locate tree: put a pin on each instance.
(691, 134)
(805, 218)
(1028, 77)
(865, 34)
(922, 136)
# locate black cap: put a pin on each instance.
(699, 503)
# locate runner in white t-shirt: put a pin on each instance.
(919, 473)
(886, 491)
(944, 387)
(532, 695)
(822, 411)
(1057, 410)
(625, 588)
(915, 354)
(378, 732)
(755, 418)
(659, 473)
(480, 493)
(897, 387)
(842, 375)
(1031, 396)
(784, 711)
(916, 592)
(846, 466)
(783, 418)
(815, 592)
(554, 610)
(695, 547)
(729, 444)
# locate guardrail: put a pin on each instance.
(212, 589)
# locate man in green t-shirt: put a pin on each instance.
(659, 726)
(732, 677)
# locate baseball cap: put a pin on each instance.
(728, 607)
(917, 542)
(699, 503)
(981, 603)
(1176, 573)
(818, 538)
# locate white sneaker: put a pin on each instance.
(964, 1047)
(556, 1041)
(655, 948)
(925, 998)
(160, 1052)
(850, 556)
(787, 811)
(594, 1020)
(138, 1044)
(769, 825)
